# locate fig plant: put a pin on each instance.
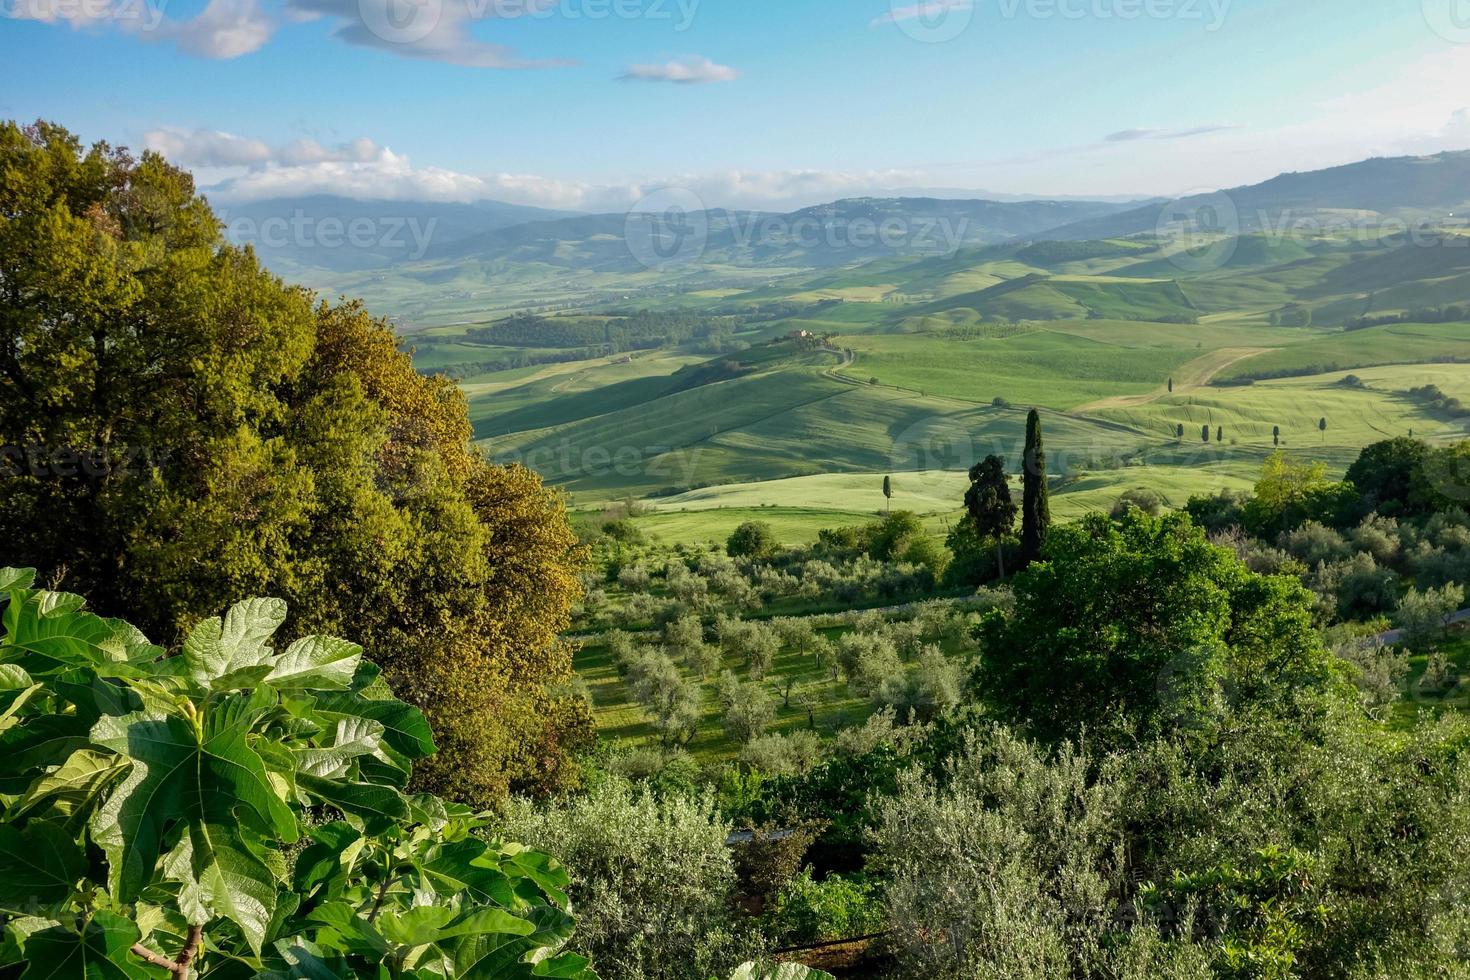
(231, 810)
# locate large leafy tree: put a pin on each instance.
(239, 810)
(1144, 624)
(1035, 495)
(1390, 476)
(989, 504)
(202, 431)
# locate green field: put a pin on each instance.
(1410, 343)
(932, 362)
(1047, 368)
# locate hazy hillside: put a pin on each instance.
(1406, 186)
(342, 234)
(835, 234)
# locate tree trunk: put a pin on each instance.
(1000, 557)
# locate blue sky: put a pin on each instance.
(748, 102)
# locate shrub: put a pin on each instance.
(1146, 624)
(1379, 670)
(237, 810)
(1424, 616)
(1356, 588)
(652, 879)
(1151, 502)
(1315, 543)
(1028, 862)
(1379, 537)
(783, 755)
(753, 539)
(809, 911)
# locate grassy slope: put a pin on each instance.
(1406, 343)
(1048, 368)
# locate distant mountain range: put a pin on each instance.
(342, 234)
(826, 235)
(317, 232)
(414, 258)
(1409, 188)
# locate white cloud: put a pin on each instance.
(206, 147)
(393, 177)
(928, 10)
(683, 71)
(224, 29)
(435, 30)
(242, 169)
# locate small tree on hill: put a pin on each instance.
(1171, 386)
(988, 501)
(753, 539)
(1322, 427)
(887, 492)
(1204, 433)
(1220, 433)
(1179, 432)
(1275, 435)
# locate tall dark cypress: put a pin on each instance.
(1035, 498)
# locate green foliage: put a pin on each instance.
(837, 907)
(753, 539)
(988, 502)
(1390, 475)
(652, 880)
(1145, 623)
(1258, 918)
(745, 708)
(1268, 849)
(1289, 493)
(240, 441)
(1424, 616)
(239, 810)
(1151, 502)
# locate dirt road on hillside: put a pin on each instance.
(1196, 374)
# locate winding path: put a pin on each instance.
(1196, 374)
(1390, 637)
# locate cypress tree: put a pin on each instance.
(1035, 498)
